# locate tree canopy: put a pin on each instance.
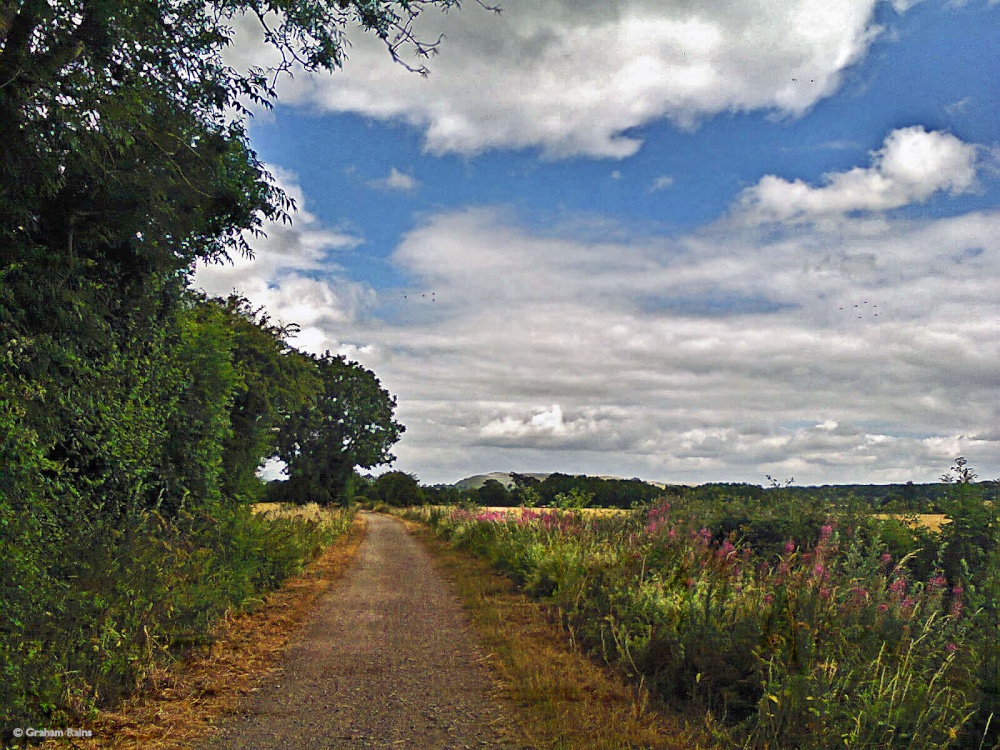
(349, 422)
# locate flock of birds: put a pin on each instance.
(862, 308)
(433, 297)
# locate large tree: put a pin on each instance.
(348, 424)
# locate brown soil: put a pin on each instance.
(386, 661)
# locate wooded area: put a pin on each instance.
(135, 412)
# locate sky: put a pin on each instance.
(687, 242)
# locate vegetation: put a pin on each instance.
(134, 414)
(555, 695)
(788, 624)
(347, 423)
(552, 491)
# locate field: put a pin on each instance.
(308, 512)
(930, 521)
(786, 626)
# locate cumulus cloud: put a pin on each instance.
(397, 181)
(546, 428)
(912, 165)
(862, 346)
(539, 351)
(294, 273)
(578, 77)
(661, 183)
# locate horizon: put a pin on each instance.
(667, 484)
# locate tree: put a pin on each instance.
(398, 488)
(275, 382)
(349, 423)
(124, 158)
(116, 117)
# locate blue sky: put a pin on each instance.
(629, 238)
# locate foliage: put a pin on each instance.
(349, 422)
(139, 591)
(827, 640)
(275, 381)
(397, 488)
(493, 494)
(133, 413)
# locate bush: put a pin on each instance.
(85, 625)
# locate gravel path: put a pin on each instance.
(385, 662)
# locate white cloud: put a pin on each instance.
(912, 165)
(661, 183)
(577, 77)
(398, 181)
(729, 353)
(547, 427)
(722, 355)
(294, 274)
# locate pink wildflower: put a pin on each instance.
(825, 532)
(898, 586)
(938, 582)
(789, 547)
(950, 648)
(956, 602)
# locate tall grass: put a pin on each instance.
(93, 619)
(811, 642)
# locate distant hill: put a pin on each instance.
(504, 477)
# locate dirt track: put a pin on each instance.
(386, 661)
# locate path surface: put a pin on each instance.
(385, 662)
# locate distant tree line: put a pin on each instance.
(396, 488)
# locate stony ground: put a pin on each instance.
(386, 661)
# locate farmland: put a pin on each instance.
(784, 624)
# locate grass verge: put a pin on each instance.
(558, 697)
(180, 704)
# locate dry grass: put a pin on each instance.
(179, 705)
(309, 512)
(558, 696)
(930, 521)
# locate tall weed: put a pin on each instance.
(826, 640)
